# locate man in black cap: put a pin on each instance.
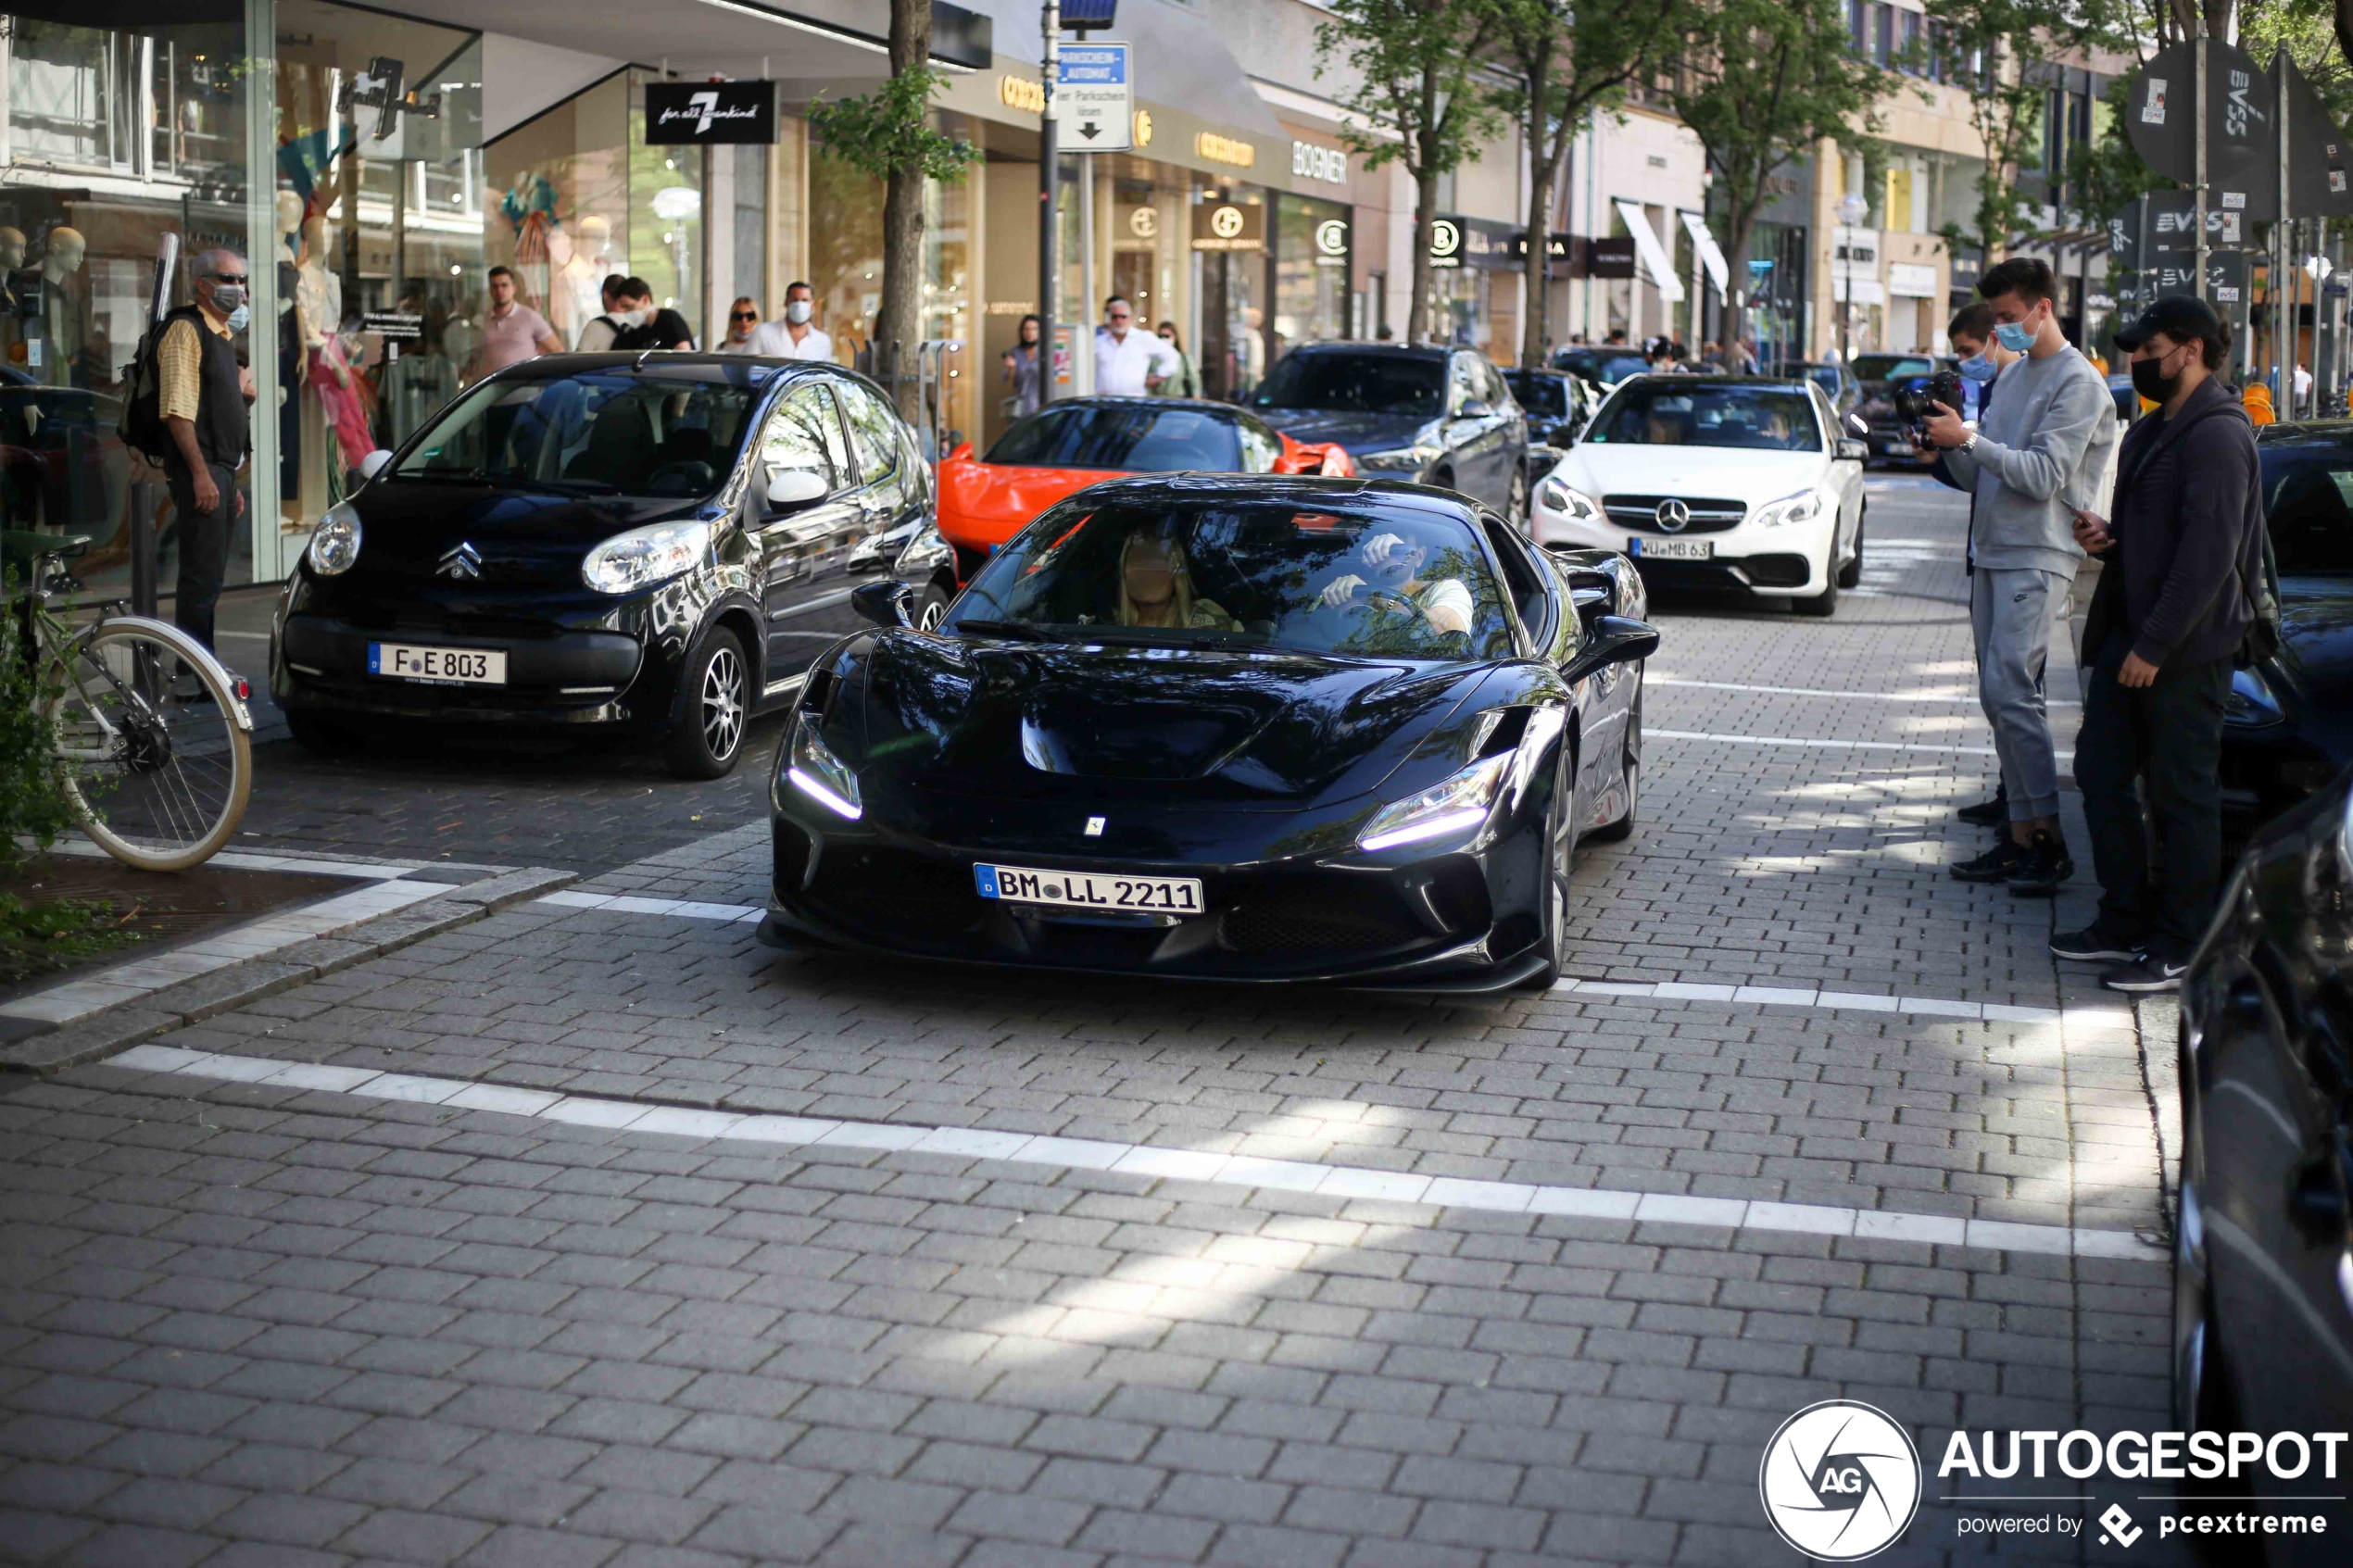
(2182, 563)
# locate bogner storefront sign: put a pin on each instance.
(707, 113)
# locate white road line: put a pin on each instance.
(1197, 1166)
(1649, 734)
(257, 860)
(1816, 691)
(1739, 993)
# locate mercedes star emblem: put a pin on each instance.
(463, 562)
(1673, 517)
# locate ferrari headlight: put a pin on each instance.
(1420, 455)
(643, 556)
(1574, 505)
(1460, 802)
(1804, 507)
(819, 774)
(335, 545)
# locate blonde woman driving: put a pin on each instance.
(1155, 588)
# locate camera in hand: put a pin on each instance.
(1916, 399)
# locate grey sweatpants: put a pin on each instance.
(2011, 613)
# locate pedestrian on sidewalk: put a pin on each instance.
(1982, 360)
(2183, 563)
(2036, 456)
(203, 396)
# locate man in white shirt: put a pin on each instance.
(794, 338)
(1128, 363)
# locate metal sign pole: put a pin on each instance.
(2282, 269)
(1049, 204)
(2201, 73)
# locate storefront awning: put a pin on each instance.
(1710, 256)
(1654, 254)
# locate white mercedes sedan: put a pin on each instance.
(1732, 482)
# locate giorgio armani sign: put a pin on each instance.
(702, 113)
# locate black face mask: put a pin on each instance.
(2151, 381)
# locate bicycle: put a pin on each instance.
(156, 769)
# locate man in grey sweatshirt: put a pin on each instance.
(2040, 453)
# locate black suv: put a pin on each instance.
(1435, 416)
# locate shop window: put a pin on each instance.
(78, 264)
(845, 251)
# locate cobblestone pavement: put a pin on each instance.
(338, 1317)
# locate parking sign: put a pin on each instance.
(1094, 98)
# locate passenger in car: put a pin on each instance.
(1156, 588)
(1396, 566)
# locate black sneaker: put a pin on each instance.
(2150, 974)
(2044, 866)
(2095, 944)
(1996, 865)
(1991, 813)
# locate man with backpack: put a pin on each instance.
(201, 394)
(2182, 590)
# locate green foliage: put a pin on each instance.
(2311, 31)
(37, 939)
(2105, 170)
(888, 130)
(32, 805)
(1414, 64)
(1765, 82)
(1995, 45)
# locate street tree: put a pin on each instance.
(1764, 83)
(1567, 58)
(1994, 49)
(888, 135)
(1414, 86)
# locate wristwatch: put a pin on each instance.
(1969, 445)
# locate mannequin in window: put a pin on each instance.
(290, 359)
(16, 292)
(62, 309)
(577, 291)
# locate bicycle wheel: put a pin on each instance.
(158, 767)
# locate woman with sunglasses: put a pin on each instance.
(742, 319)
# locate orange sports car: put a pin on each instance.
(1077, 442)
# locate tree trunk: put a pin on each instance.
(1534, 331)
(1420, 325)
(899, 326)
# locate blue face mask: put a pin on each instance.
(1978, 368)
(2015, 336)
(240, 319)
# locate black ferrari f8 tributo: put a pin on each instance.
(1238, 728)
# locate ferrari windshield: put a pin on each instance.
(1139, 437)
(610, 430)
(1351, 576)
(1669, 412)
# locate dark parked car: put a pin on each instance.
(1556, 403)
(1837, 381)
(1225, 727)
(1603, 367)
(655, 545)
(1430, 415)
(2289, 729)
(1878, 376)
(2263, 1256)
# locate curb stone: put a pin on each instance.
(102, 1034)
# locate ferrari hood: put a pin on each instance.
(984, 503)
(1175, 726)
